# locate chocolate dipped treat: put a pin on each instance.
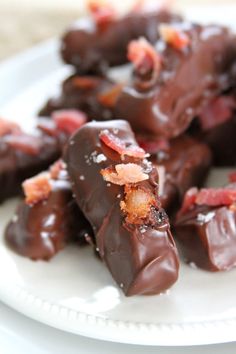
(93, 43)
(94, 95)
(206, 228)
(23, 155)
(48, 218)
(172, 80)
(117, 190)
(182, 163)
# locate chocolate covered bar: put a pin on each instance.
(94, 95)
(48, 218)
(23, 155)
(174, 78)
(182, 163)
(206, 228)
(93, 43)
(116, 188)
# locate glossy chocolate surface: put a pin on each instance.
(82, 93)
(142, 258)
(207, 237)
(92, 49)
(40, 230)
(188, 79)
(186, 164)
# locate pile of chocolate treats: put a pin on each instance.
(128, 159)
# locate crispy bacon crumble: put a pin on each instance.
(123, 174)
(37, 188)
(173, 36)
(69, 120)
(102, 11)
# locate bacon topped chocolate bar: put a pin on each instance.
(116, 188)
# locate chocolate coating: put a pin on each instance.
(188, 79)
(41, 230)
(186, 164)
(82, 93)
(142, 258)
(91, 49)
(207, 237)
(17, 165)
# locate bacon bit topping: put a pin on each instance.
(144, 58)
(85, 82)
(176, 38)
(216, 197)
(137, 203)
(153, 146)
(232, 177)
(109, 98)
(212, 197)
(69, 120)
(7, 127)
(102, 11)
(218, 111)
(37, 188)
(124, 174)
(28, 144)
(116, 144)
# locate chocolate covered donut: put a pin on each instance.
(117, 190)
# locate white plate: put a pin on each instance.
(74, 292)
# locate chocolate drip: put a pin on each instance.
(141, 256)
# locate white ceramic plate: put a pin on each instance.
(74, 292)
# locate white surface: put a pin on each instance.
(75, 292)
(20, 335)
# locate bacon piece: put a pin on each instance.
(144, 58)
(69, 120)
(116, 144)
(7, 127)
(216, 196)
(218, 111)
(173, 36)
(48, 126)
(137, 203)
(232, 177)
(37, 188)
(24, 142)
(85, 83)
(153, 146)
(189, 200)
(102, 12)
(124, 174)
(109, 98)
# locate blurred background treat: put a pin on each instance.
(24, 23)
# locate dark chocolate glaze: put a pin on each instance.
(76, 94)
(188, 79)
(186, 164)
(141, 258)
(207, 237)
(17, 165)
(39, 231)
(91, 48)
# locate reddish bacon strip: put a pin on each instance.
(28, 144)
(102, 11)
(153, 146)
(232, 177)
(176, 38)
(218, 111)
(216, 197)
(37, 188)
(85, 83)
(124, 174)
(7, 127)
(69, 120)
(144, 57)
(114, 143)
